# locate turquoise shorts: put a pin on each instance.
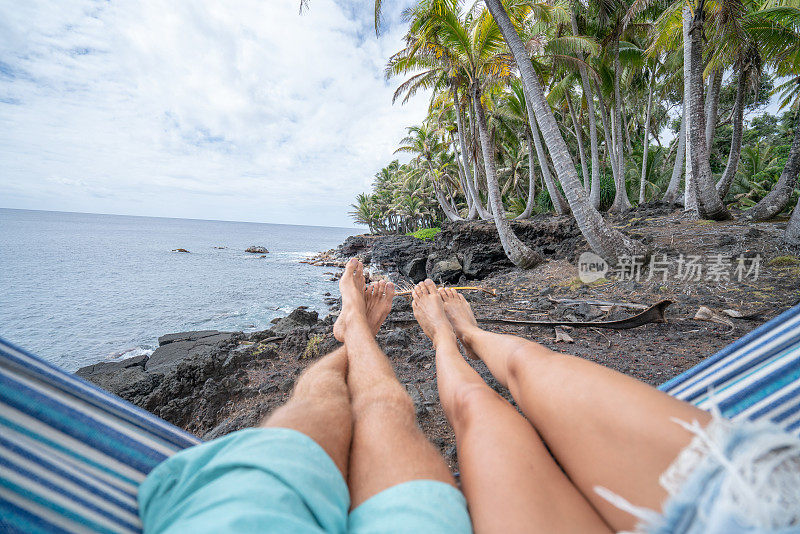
(279, 480)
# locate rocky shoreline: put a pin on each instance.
(212, 383)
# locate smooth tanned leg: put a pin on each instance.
(388, 448)
(604, 428)
(320, 408)
(511, 482)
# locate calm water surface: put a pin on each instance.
(81, 288)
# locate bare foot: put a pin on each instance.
(378, 297)
(460, 315)
(354, 305)
(429, 312)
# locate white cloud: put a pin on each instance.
(231, 110)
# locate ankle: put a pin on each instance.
(468, 335)
(444, 338)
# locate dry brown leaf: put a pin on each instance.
(733, 313)
(704, 313)
(563, 336)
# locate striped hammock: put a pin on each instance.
(72, 455)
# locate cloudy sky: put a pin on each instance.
(207, 109)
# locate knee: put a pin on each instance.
(389, 400)
(522, 358)
(469, 403)
(323, 383)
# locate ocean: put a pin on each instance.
(78, 288)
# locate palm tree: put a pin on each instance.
(426, 145)
(594, 191)
(604, 240)
(363, 211)
(709, 204)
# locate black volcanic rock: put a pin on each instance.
(167, 356)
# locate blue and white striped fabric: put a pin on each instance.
(756, 377)
(72, 456)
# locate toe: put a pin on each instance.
(431, 286)
(422, 289)
(350, 266)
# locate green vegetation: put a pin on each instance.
(426, 234)
(783, 261)
(312, 349)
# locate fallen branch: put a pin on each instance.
(406, 292)
(653, 314)
(599, 303)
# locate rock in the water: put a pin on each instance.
(257, 250)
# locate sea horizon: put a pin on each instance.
(184, 218)
(80, 288)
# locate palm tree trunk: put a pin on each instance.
(709, 205)
(531, 178)
(472, 211)
(735, 153)
(646, 137)
(608, 134)
(579, 139)
(673, 189)
(594, 191)
(712, 103)
(518, 252)
(475, 202)
(483, 213)
(604, 240)
(621, 201)
(792, 234)
(559, 202)
(626, 130)
(689, 196)
(778, 198)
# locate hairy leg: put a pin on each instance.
(320, 408)
(511, 482)
(604, 428)
(320, 403)
(388, 447)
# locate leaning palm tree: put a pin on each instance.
(778, 30)
(512, 108)
(604, 240)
